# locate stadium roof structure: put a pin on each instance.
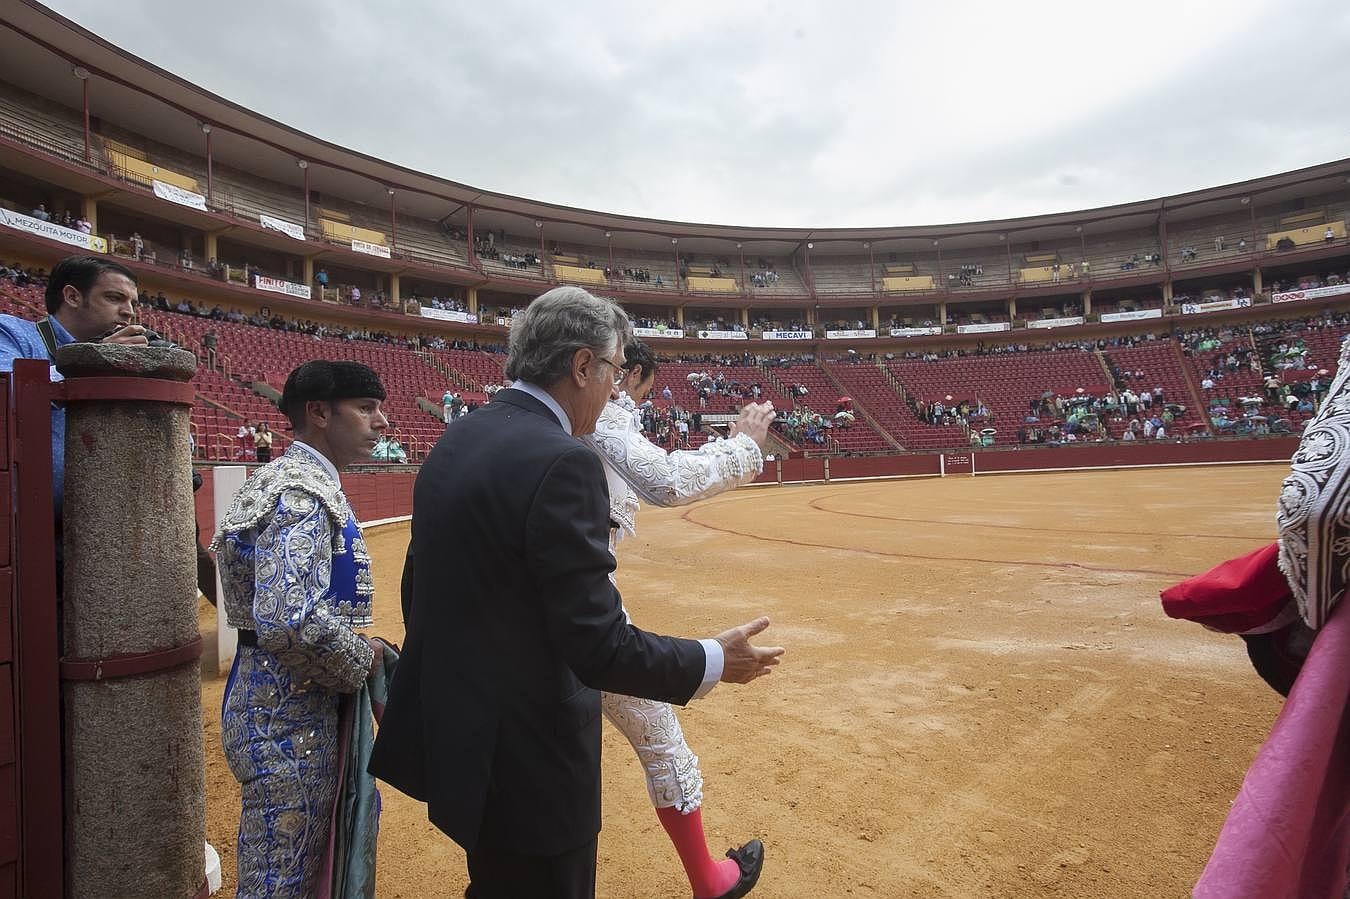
(45, 53)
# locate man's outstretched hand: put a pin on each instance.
(742, 662)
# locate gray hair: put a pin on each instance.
(546, 336)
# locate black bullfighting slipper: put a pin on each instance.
(750, 859)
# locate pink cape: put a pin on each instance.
(1288, 833)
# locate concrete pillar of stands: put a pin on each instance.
(1012, 309)
(942, 314)
(472, 300)
(1167, 293)
(89, 209)
(876, 319)
(745, 317)
(135, 791)
(211, 251)
(394, 288)
(679, 316)
(308, 271)
(1087, 303)
(1257, 284)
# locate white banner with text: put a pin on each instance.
(854, 334)
(1134, 315)
(916, 332)
(290, 229)
(1056, 322)
(175, 194)
(52, 231)
(276, 285)
(1311, 293)
(1215, 306)
(984, 328)
(370, 249)
(658, 332)
(788, 335)
(449, 315)
(721, 335)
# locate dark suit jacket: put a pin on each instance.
(513, 627)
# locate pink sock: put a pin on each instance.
(709, 878)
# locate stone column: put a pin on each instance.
(89, 207)
(471, 297)
(135, 794)
(1257, 285)
(1087, 303)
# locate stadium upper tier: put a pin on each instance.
(175, 176)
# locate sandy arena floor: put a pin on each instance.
(981, 695)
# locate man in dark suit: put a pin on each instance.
(513, 625)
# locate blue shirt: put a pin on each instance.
(19, 339)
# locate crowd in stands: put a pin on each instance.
(718, 384)
(655, 324)
(764, 278)
(65, 219)
(641, 275)
(669, 426)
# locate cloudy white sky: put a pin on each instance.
(783, 113)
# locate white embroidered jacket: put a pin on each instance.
(1314, 509)
(637, 469)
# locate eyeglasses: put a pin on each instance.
(619, 372)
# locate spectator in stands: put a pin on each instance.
(356, 295)
(137, 245)
(1330, 235)
(244, 438)
(83, 226)
(88, 299)
(42, 213)
(322, 278)
(262, 442)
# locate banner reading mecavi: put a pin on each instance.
(52, 231)
(788, 335)
(449, 315)
(276, 285)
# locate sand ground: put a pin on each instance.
(981, 695)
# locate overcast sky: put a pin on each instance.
(782, 114)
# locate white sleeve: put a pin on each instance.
(673, 479)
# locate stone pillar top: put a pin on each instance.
(85, 360)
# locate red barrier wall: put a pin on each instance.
(374, 495)
(1274, 449)
(883, 466)
(377, 495)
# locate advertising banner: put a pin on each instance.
(855, 334)
(175, 194)
(450, 315)
(52, 231)
(290, 229)
(658, 332)
(370, 249)
(984, 328)
(1136, 315)
(276, 285)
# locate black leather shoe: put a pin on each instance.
(750, 858)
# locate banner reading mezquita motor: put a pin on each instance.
(290, 229)
(175, 194)
(722, 335)
(854, 334)
(788, 335)
(52, 231)
(276, 285)
(658, 332)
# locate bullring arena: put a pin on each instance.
(981, 695)
(996, 443)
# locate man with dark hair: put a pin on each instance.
(89, 299)
(295, 580)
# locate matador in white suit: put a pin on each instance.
(637, 468)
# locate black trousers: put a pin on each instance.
(510, 875)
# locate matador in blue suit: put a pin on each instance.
(296, 583)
